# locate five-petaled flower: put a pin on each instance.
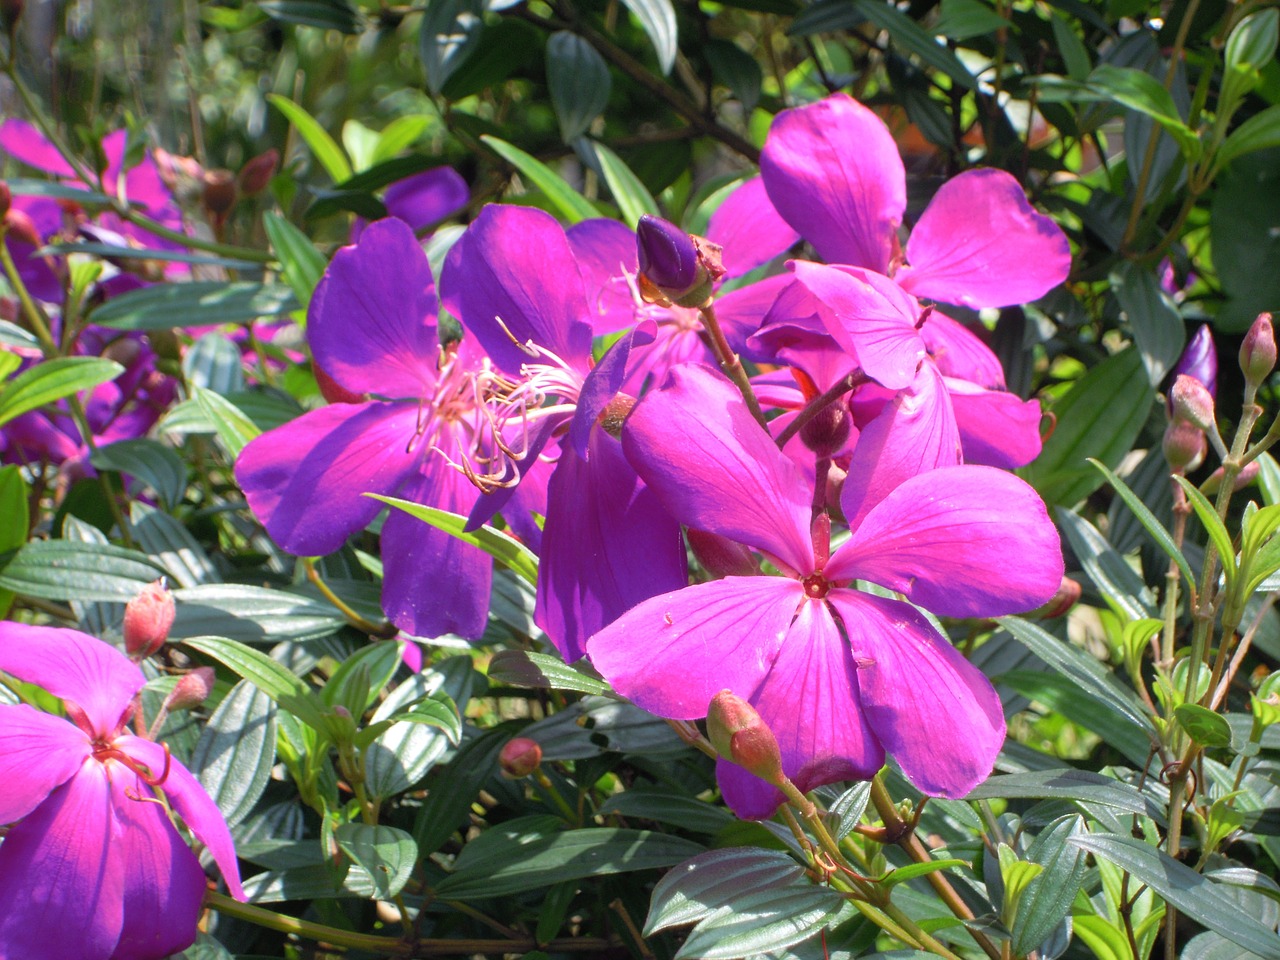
(93, 866)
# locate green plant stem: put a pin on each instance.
(730, 363)
(384, 631)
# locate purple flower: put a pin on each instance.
(963, 541)
(93, 867)
(372, 330)
(422, 200)
(1200, 360)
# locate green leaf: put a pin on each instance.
(235, 753)
(1259, 132)
(1140, 91)
(486, 867)
(385, 853)
(213, 362)
(1074, 53)
(717, 879)
(21, 187)
(1047, 900)
(113, 252)
(1119, 583)
(1242, 217)
(252, 614)
(73, 570)
(301, 263)
(658, 19)
(234, 429)
(1148, 520)
(325, 14)
(770, 922)
(541, 671)
(501, 546)
(1157, 328)
(963, 19)
(571, 205)
(579, 82)
(632, 197)
(696, 816)
(315, 136)
(1203, 725)
(737, 70)
(1250, 48)
(155, 464)
(1213, 525)
(53, 380)
(273, 679)
(378, 662)
(1184, 889)
(401, 754)
(914, 870)
(453, 788)
(397, 136)
(14, 520)
(435, 710)
(1099, 417)
(448, 35)
(199, 303)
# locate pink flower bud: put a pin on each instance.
(147, 619)
(1243, 479)
(1192, 402)
(257, 173)
(739, 734)
(1258, 352)
(722, 557)
(22, 227)
(1062, 601)
(828, 432)
(192, 690)
(675, 266)
(519, 757)
(1184, 446)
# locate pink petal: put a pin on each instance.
(713, 467)
(606, 255)
(960, 353)
(189, 801)
(961, 541)
(980, 244)
(997, 428)
(740, 311)
(933, 711)
(92, 674)
(61, 878)
(913, 434)
(870, 316)
(749, 229)
(38, 752)
(833, 172)
(372, 320)
(22, 141)
(672, 654)
(810, 702)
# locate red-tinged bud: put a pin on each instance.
(615, 414)
(192, 690)
(257, 173)
(219, 193)
(22, 227)
(828, 431)
(739, 734)
(1066, 597)
(519, 757)
(147, 619)
(1184, 446)
(1192, 402)
(675, 266)
(6, 198)
(124, 351)
(1258, 352)
(1243, 479)
(722, 557)
(333, 391)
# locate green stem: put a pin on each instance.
(730, 363)
(385, 630)
(386, 946)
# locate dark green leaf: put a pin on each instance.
(14, 520)
(1204, 726)
(70, 570)
(1047, 899)
(273, 679)
(579, 81)
(236, 751)
(1118, 582)
(386, 854)
(301, 263)
(452, 788)
(449, 33)
(1242, 220)
(686, 813)
(252, 614)
(213, 362)
(53, 380)
(541, 670)
(769, 922)
(718, 879)
(1259, 132)
(1139, 90)
(326, 14)
(1159, 534)
(199, 303)
(379, 661)
(962, 19)
(1063, 695)
(737, 70)
(112, 252)
(155, 464)
(234, 429)
(914, 870)
(572, 206)
(1157, 328)
(20, 187)
(631, 196)
(1208, 516)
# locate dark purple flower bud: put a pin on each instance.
(519, 757)
(10, 13)
(147, 619)
(828, 432)
(739, 734)
(1192, 402)
(1258, 352)
(722, 557)
(668, 257)
(1184, 446)
(1200, 360)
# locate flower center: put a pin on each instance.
(816, 586)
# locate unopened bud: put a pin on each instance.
(675, 266)
(219, 193)
(1245, 477)
(147, 619)
(722, 557)
(1266, 702)
(1063, 600)
(1192, 402)
(6, 198)
(1200, 360)
(828, 431)
(739, 734)
(519, 757)
(21, 227)
(257, 173)
(1258, 352)
(332, 390)
(192, 690)
(1184, 446)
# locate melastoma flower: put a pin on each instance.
(93, 867)
(840, 675)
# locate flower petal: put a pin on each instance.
(426, 198)
(980, 244)
(672, 654)
(870, 316)
(22, 141)
(607, 545)
(714, 468)
(327, 457)
(37, 753)
(810, 701)
(89, 672)
(372, 320)
(958, 352)
(61, 880)
(749, 229)
(997, 428)
(740, 311)
(962, 541)
(933, 711)
(833, 172)
(190, 801)
(512, 274)
(604, 381)
(606, 255)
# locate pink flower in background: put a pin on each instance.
(92, 867)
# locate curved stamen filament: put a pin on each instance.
(104, 752)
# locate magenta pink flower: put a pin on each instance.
(92, 866)
(842, 676)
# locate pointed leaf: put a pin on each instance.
(157, 465)
(571, 205)
(1159, 534)
(579, 82)
(71, 570)
(324, 147)
(234, 429)
(540, 670)
(632, 196)
(658, 19)
(1213, 524)
(385, 853)
(236, 751)
(163, 306)
(53, 380)
(273, 679)
(300, 262)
